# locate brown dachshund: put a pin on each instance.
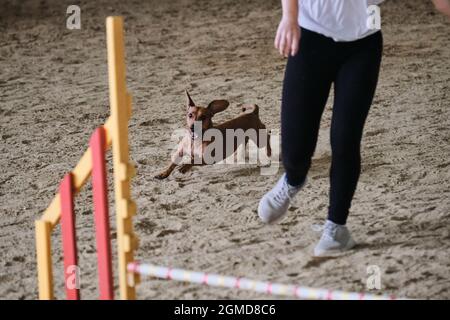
(199, 121)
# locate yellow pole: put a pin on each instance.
(120, 102)
(44, 259)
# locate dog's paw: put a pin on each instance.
(161, 176)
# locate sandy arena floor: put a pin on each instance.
(53, 90)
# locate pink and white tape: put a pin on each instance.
(270, 288)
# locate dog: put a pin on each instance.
(194, 148)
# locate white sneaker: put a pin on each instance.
(335, 238)
(275, 203)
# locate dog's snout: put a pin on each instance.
(192, 128)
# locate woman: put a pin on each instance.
(326, 42)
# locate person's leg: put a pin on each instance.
(355, 85)
(306, 87)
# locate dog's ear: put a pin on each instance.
(189, 101)
(216, 106)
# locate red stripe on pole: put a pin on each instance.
(330, 295)
(100, 196)
(69, 240)
(133, 267)
(296, 291)
(238, 283)
(269, 288)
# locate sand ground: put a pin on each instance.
(53, 91)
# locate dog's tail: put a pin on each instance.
(250, 108)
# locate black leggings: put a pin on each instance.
(353, 67)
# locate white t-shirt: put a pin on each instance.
(342, 20)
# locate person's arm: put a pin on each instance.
(443, 6)
(288, 32)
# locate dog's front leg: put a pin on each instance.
(194, 162)
(175, 160)
(166, 172)
(185, 167)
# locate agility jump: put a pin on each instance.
(92, 164)
(114, 132)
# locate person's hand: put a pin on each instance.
(443, 6)
(288, 37)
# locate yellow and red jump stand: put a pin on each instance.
(113, 133)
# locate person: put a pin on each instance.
(443, 6)
(326, 42)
